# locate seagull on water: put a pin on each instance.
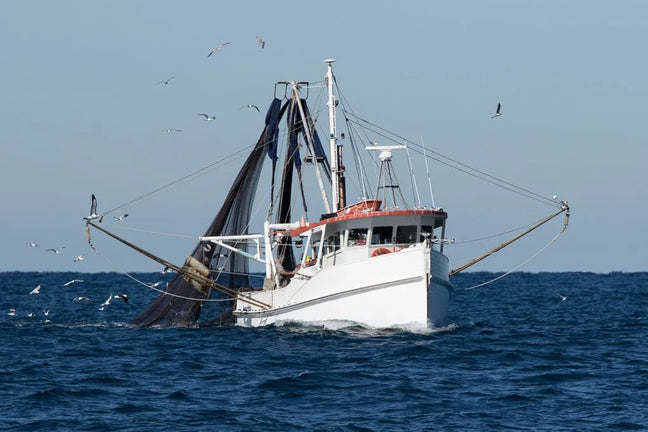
(171, 130)
(93, 211)
(121, 297)
(72, 281)
(251, 106)
(79, 258)
(36, 290)
(81, 298)
(261, 42)
(31, 244)
(207, 117)
(12, 312)
(167, 81)
(497, 112)
(121, 218)
(218, 48)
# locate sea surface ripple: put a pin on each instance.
(516, 357)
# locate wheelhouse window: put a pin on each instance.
(357, 237)
(382, 235)
(406, 234)
(332, 243)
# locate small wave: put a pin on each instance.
(355, 328)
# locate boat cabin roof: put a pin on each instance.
(361, 211)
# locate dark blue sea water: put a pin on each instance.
(516, 357)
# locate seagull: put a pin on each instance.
(207, 117)
(261, 42)
(36, 290)
(497, 112)
(30, 314)
(32, 244)
(155, 284)
(12, 312)
(93, 211)
(46, 312)
(167, 270)
(121, 297)
(562, 297)
(251, 106)
(218, 48)
(171, 130)
(56, 251)
(72, 281)
(81, 298)
(554, 197)
(121, 218)
(167, 81)
(106, 303)
(79, 258)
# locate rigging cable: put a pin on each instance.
(460, 166)
(528, 259)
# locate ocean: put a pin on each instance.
(531, 351)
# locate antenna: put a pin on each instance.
(427, 168)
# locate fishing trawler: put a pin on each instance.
(376, 262)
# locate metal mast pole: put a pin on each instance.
(335, 186)
(309, 142)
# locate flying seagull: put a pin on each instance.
(79, 258)
(56, 251)
(562, 297)
(207, 117)
(31, 244)
(261, 42)
(155, 284)
(218, 48)
(93, 211)
(72, 281)
(106, 303)
(497, 112)
(251, 106)
(36, 290)
(167, 81)
(121, 297)
(81, 298)
(171, 130)
(121, 218)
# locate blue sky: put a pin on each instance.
(82, 113)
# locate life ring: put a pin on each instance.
(380, 251)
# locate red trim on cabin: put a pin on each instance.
(366, 215)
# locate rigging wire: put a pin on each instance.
(234, 155)
(553, 240)
(454, 163)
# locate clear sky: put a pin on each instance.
(82, 112)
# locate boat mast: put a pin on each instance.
(337, 169)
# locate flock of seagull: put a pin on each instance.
(208, 117)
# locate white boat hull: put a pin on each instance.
(408, 287)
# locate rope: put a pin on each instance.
(200, 279)
(525, 261)
(198, 171)
(564, 208)
(453, 163)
